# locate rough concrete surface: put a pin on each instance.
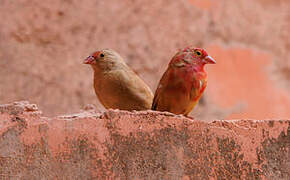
(139, 145)
(42, 45)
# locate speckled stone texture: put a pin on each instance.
(139, 145)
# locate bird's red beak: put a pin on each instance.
(89, 60)
(209, 60)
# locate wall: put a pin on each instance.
(139, 145)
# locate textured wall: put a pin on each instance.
(139, 145)
(42, 45)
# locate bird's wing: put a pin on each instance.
(155, 100)
(196, 89)
(163, 81)
(133, 89)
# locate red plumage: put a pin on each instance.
(183, 83)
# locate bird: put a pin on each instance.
(116, 85)
(184, 81)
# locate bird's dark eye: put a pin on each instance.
(198, 53)
(102, 55)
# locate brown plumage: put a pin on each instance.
(116, 84)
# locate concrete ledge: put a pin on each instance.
(139, 145)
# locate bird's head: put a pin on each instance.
(199, 56)
(104, 59)
(191, 57)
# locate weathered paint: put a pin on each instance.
(139, 145)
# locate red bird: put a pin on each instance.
(183, 83)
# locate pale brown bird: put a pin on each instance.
(116, 84)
